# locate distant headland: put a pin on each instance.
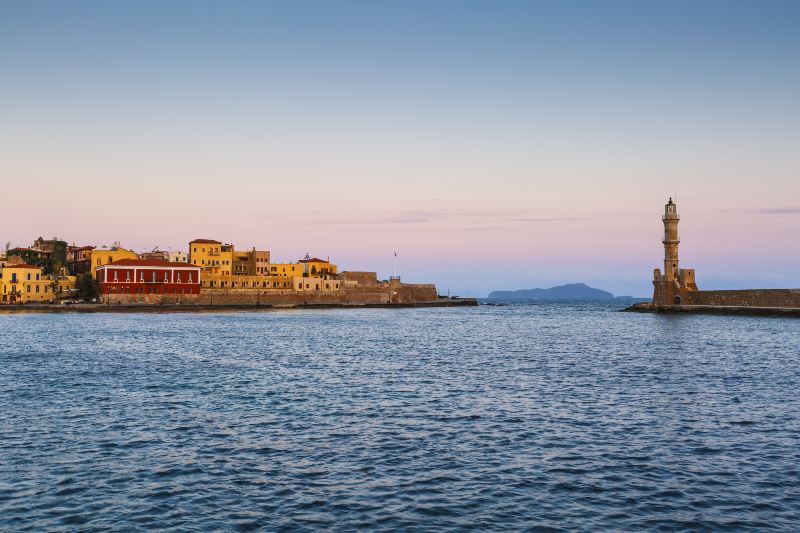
(571, 291)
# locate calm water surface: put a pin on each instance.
(525, 417)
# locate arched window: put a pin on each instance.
(166, 277)
(115, 276)
(190, 278)
(154, 277)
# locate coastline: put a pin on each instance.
(730, 310)
(194, 308)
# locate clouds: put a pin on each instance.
(779, 211)
(464, 219)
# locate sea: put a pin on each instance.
(520, 417)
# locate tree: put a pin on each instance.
(87, 288)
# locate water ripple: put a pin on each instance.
(527, 417)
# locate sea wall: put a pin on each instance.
(379, 294)
(744, 298)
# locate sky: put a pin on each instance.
(493, 145)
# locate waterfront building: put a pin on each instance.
(317, 267)
(212, 256)
(22, 283)
(155, 254)
(29, 256)
(307, 267)
(147, 276)
(107, 255)
(79, 259)
(251, 263)
(56, 250)
(178, 257)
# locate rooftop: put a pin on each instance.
(149, 262)
(205, 241)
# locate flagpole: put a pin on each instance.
(395, 264)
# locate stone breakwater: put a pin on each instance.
(649, 307)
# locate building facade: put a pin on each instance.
(155, 254)
(179, 257)
(23, 283)
(147, 276)
(105, 256)
(211, 256)
(251, 263)
(79, 259)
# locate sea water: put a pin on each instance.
(520, 417)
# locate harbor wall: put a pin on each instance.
(379, 294)
(743, 298)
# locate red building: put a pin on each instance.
(148, 276)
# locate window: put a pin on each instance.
(204, 249)
(153, 277)
(115, 276)
(29, 277)
(128, 276)
(27, 288)
(37, 288)
(190, 278)
(178, 278)
(141, 277)
(166, 277)
(99, 261)
(37, 277)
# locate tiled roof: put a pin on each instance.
(313, 260)
(206, 241)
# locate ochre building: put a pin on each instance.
(23, 283)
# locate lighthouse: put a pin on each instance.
(671, 240)
(675, 285)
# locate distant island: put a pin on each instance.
(572, 291)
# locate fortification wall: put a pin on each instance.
(379, 294)
(152, 299)
(744, 298)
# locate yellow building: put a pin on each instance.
(286, 270)
(308, 267)
(213, 257)
(25, 283)
(270, 283)
(104, 256)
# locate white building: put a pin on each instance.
(179, 257)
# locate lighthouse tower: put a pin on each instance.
(671, 240)
(675, 285)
